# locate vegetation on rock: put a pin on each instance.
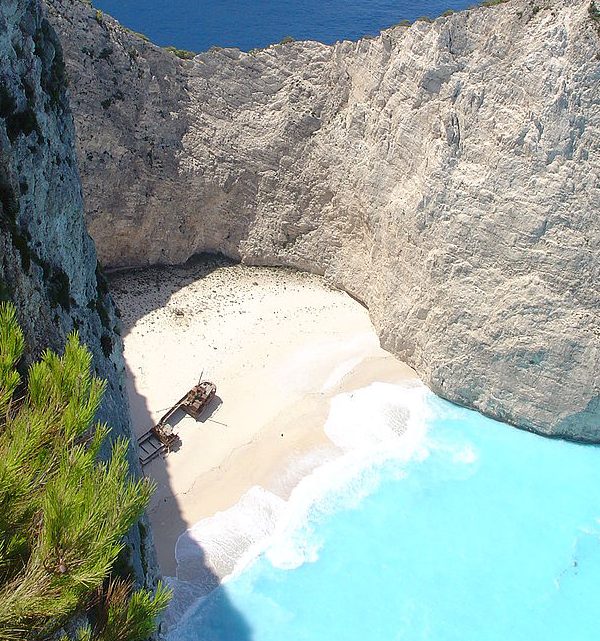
(63, 512)
(184, 54)
(142, 36)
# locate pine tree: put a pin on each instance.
(63, 512)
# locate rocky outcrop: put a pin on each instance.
(446, 174)
(48, 265)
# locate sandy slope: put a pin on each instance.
(278, 344)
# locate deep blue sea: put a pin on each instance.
(199, 24)
(436, 524)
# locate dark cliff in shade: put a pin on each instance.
(48, 265)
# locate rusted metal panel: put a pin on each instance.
(161, 437)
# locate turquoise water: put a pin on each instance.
(461, 529)
(200, 24)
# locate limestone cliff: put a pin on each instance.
(48, 265)
(447, 174)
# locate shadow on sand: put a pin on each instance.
(224, 623)
(158, 283)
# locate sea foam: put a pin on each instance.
(369, 426)
(442, 525)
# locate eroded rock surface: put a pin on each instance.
(446, 174)
(48, 265)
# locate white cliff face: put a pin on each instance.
(446, 174)
(48, 265)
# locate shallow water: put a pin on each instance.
(199, 24)
(435, 523)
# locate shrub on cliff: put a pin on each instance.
(63, 513)
(184, 54)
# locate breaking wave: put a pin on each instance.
(433, 523)
(369, 426)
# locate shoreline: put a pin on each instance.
(278, 344)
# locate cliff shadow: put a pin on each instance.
(139, 291)
(150, 289)
(199, 579)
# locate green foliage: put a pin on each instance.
(63, 513)
(184, 54)
(12, 345)
(492, 3)
(129, 617)
(594, 11)
(99, 16)
(286, 40)
(142, 36)
(125, 615)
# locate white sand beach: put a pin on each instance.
(278, 344)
